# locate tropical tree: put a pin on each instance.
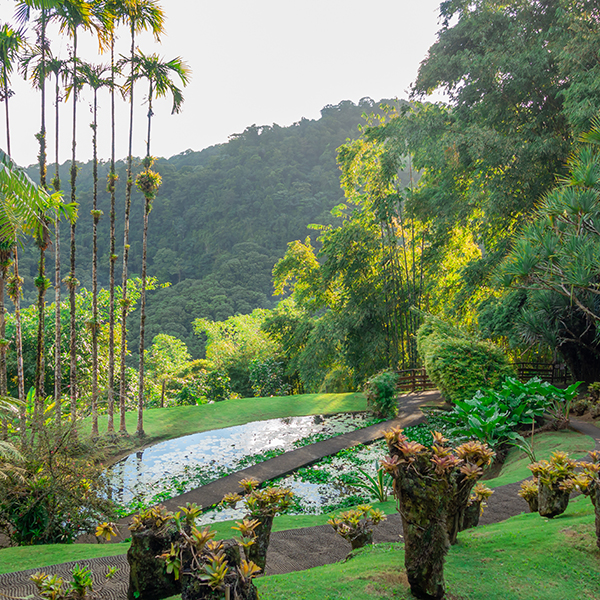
(141, 15)
(555, 259)
(11, 43)
(166, 357)
(117, 13)
(58, 68)
(93, 76)
(158, 74)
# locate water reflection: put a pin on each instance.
(178, 465)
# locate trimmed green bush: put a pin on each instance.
(381, 394)
(457, 363)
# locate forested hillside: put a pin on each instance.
(222, 218)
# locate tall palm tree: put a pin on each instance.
(72, 15)
(5, 263)
(158, 73)
(59, 69)
(118, 14)
(11, 43)
(43, 62)
(93, 76)
(141, 15)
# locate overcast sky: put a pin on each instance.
(253, 61)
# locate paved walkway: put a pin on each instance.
(296, 549)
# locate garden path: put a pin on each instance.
(296, 549)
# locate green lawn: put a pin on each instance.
(515, 465)
(523, 558)
(168, 423)
(526, 557)
(22, 558)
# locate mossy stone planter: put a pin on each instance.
(470, 516)
(552, 501)
(534, 505)
(148, 578)
(193, 588)
(258, 551)
(362, 539)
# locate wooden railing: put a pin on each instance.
(553, 373)
(415, 380)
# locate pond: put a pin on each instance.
(325, 485)
(176, 466)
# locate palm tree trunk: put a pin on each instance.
(57, 321)
(16, 297)
(140, 420)
(39, 366)
(72, 280)
(112, 181)
(41, 281)
(42, 134)
(124, 301)
(96, 218)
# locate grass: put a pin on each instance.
(522, 558)
(515, 465)
(22, 558)
(169, 423)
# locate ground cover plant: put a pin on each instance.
(497, 416)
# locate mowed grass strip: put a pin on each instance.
(23, 558)
(525, 557)
(169, 423)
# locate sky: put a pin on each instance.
(253, 62)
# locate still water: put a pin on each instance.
(176, 466)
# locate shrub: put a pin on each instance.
(494, 416)
(381, 394)
(190, 394)
(54, 497)
(217, 386)
(457, 363)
